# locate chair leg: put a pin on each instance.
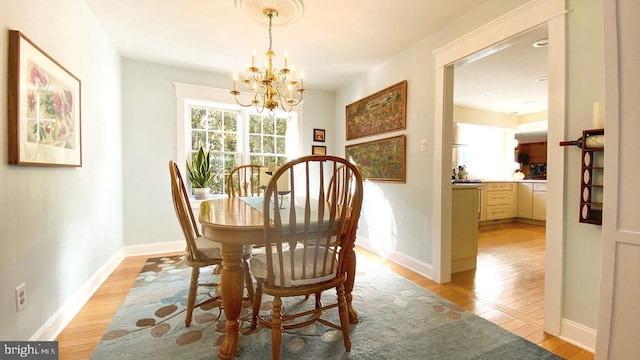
(248, 281)
(276, 328)
(257, 301)
(191, 299)
(344, 316)
(217, 270)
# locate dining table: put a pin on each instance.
(234, 223)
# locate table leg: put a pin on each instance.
(232, 284)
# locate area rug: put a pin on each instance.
(398, 320)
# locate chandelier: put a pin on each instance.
(271, 87)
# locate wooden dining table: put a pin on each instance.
(233, 223)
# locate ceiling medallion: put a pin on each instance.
(289, 11)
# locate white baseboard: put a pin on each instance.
(158, 248)
(578, 335)
(410, 263)
(54, 326)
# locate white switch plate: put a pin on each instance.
(423, 145)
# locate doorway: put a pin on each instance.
(500, 104)
(483, 41)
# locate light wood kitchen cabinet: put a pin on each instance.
(539, 202)
(500, 200)
(525, 200)
(464, 228)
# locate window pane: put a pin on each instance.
(198, 118)
(256, 159)
(281, 160)
(230, 141)
(269, 159)
(281, 145)
(215, 141)
(230, 121)
(255, 144)
(198, 138)
(255, 124)
(215, 120)
(281, 126)
(268, 144)
(217, 161)
(268, 125)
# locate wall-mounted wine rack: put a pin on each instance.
(591, 183)
(592, 174)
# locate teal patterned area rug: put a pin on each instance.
(398, 320)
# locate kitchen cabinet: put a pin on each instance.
(532, 200)
(500, 200)
(525, 200)
(539, 201)
(464, 227)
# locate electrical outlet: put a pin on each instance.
(21, 296)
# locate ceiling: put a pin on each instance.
(333, 42)
(508, 79)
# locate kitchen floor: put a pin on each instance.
(510, 270)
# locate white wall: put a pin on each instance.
(58, 226)
(397, 218)
(149, 142)
(585, 86)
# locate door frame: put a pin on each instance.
(528, 16)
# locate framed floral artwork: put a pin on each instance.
(382, 112)
(380, 160)
(43, 108)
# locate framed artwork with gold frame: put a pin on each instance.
(380, 160)
(318, 150)
(381, 112)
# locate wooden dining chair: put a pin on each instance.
(199, 252)
(306, 240)
(244, 180)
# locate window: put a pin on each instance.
(234, 135)
(487, 152)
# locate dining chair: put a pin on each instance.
(244, 180)
(306, 243)
(199, 252)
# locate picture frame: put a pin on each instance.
(380, 160)
(318, 150)
(382, 112)
(318, 135)
(44, 108)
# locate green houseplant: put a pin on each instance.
(200, 173)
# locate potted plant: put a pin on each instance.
(200, 173)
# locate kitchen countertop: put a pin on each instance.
(517, 181)
(466, 185)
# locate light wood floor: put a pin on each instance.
(500, 304)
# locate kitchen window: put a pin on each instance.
(487, 151)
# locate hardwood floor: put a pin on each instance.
(493, 292)
(510, 270)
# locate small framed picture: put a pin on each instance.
(318, 150)
(318, 135)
